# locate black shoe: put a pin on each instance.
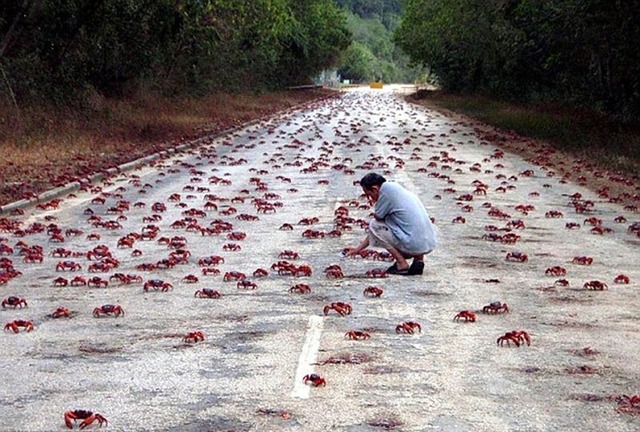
(393, 270)
(417, 268)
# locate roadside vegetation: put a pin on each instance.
(373, 56)
(86, 84)
(565, 71)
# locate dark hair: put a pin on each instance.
(372, 179)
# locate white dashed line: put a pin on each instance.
(308, 357)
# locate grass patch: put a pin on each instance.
(610, 145)
(43, 146)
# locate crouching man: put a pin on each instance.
(401, 225)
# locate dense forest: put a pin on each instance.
(584, 52)
(373, 55)
(58, 50)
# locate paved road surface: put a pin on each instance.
(246, 375)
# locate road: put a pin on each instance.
(246, 375)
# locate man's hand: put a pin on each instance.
(351, 252)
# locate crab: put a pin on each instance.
(97, 282)
(334, 273)
(621, 279)
(315, 380)
(60, 253)
(459, 220)
(553, 214)
(157, 285)
(467, 315)
(341, 308)
(15, 326)
(78, 281)
(555, 271)
(582, 260)
(108, 310)
(300, 288)
(518, 337)
(194, 337)
(60, 282)
(87, 418)
(409, 327)
(517, 257)
(303, 270)
(246, 284)
(210, 261)
(572, 225)
(234, 276)
(207, 293)
(495, 307)
(232, 247)
(595, 285)
(376, 273)
(288, 254)
(372, 291)
(561, 282)
(67, 265)
(357, 335)
(14, 302)
(260, 272)
(190, 278)
(61, 312)
(286, 227)
(210, 271)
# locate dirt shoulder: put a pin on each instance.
(45, 147)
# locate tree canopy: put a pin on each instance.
(60, 48)
(579, 51)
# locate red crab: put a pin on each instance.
(87, 418)
(260, 273)
(233, 276)
(518, 337)
(315, 380)
(246, 284)
(157, 285)
(288, 254)
(108, 310)
(60, 281)
(582, 260)
(517, 257)
(409, 327)
(286, 227)
(621, 279)
(572, 225)
(61, 312)
(207, 293)
(300, 288)
(210, 261)
(78, 281)
(466, 315)
(552, 214)
(373, 291)
(67, 265)
(194, 337)
(555, 271)
(357, 335)
(210, 271)
(15, 326)
(341, 308)
(595, 285)
(496, 308)
(459, 220)
(233, 247)
(190, 278)
(376, 273)
(97, 282)
(334, 273)
(14, 302)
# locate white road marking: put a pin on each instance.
(308, 357)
